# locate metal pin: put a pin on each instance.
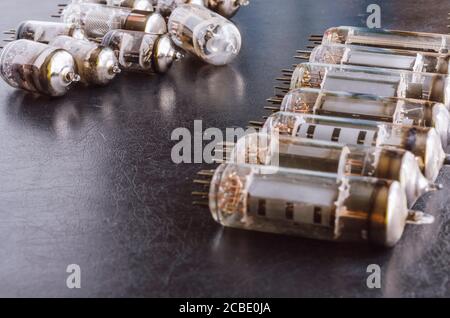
(447, 159)
(256, 123)
(200, 203)
(287, 70)
(419, 218)
(284, 79)
(219, 161)
(221, 151)
(311, 47)
(55, 16)
(301, 57)
(208, 173)
(202, 182)
(435, 187)
(200, 194)
(10, 32)
(283, 89)
(304, 52)
(275, 100)
(272, 108)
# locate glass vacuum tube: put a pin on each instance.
(400, 111)
(226, 8)
(416, 41)
(345, 160)
(38, 68)
(205, 34)
(44, 31)
(427, 62)
(97, 20)
(97, 65)
(310, 204)
(424, 143)
(373, 81)
(142, 5)
(142, 52)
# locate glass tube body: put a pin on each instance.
(426, 62)
(45, 31)
(226, 8)
(96, 20)
(143, 5)
(373, 81)
(424, 143)
(309, 204)
(410, 112)
(205, 34)
(37, 67)
(417, 41)
(344, 160)
(142, 52)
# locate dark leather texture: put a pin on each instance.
(88, 179)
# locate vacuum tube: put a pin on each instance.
(38, 68)
(44, 31)
(311, 204)
(416, 41)
(97, 65)
(400, 111)
(373, 81)
(424, 143)
(142, 52)
(427, 62)
(142, 5)
(226, 8)
(97, 20)
(344, 160)
(205, 34)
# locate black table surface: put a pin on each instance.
(88, 179)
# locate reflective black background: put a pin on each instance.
(88, 178)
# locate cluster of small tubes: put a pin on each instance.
(95, 40)
(356, 135)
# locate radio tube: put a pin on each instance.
(204, 34)
(311, 204)
(142, 52)
(97, 65)
(400, 111)
(373, 81)
(344, 160)
(38, 68)
(417, 41)
(424, 143)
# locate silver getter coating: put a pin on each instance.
(38, 68)
(97, 65)
(424, 143)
